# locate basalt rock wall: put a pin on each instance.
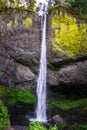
(20, 41)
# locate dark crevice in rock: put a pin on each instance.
(59, 64)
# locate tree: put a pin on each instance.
(80, 6)
(3, 4)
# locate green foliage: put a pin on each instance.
(59, 126)
(79, 127)
(9, 25)
(4, 117)
(3, 5)
(69, 38)
(79, 6)
(32, 5)
(36, 126)
(1, 73)
(16, 4)
(14, 95)
(57, 2)
(70, 1)
(39, 126)
(54, 128)
(28, 22)
(68, 104)
(2, 91)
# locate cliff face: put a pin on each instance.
(19, 48)
(20, 40)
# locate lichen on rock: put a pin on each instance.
(9, 25)
(27, 22)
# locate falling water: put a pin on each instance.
(41, 83)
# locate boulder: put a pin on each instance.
(15, 74)
(58, 119)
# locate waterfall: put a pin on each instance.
(41, 83)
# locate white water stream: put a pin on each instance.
(41, 83)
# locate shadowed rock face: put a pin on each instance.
(20, 54)
(19, 49)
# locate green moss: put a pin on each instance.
(4, 117)
(59, 126)
(0, 17)
(9, 25)
(68, 104)
(2, 91)
(1, 73)
(69, 38)
(54, 128)
(16, 95)
(79, 127)
(27, 22)
(15, 22)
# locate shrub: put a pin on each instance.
(70, 36)
(36, 126)
(54, 128)
(4, 117)
(79, 127)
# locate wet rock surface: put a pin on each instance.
(58, 119)
(20, 55)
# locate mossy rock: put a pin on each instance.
(68, 104)
(16, 95)
(71, 110)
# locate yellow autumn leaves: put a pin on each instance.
(69, 39)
